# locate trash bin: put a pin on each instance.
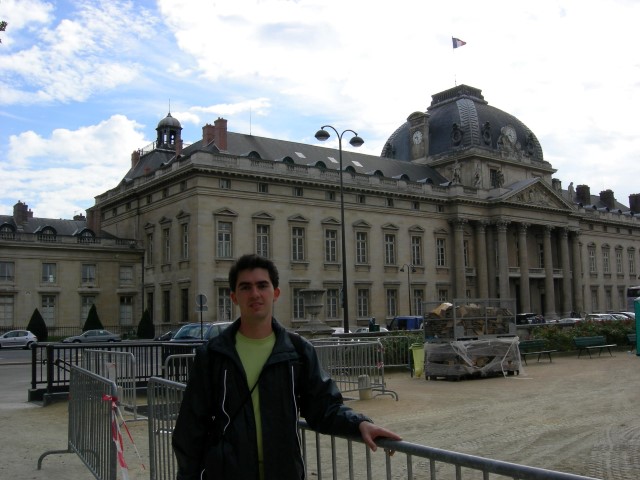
(417, 358)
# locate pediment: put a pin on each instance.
(330, 221)
(263, 216)
(298, 218)
(538, 195)
(361, 224)
(225, 212)
(390, 226)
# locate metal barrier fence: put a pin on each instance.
(176, 367)
(50, 377)
(90, 423)
(355, 365)
(328, 456)
(119, 367)
(164, 397)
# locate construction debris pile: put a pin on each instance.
(469, 320)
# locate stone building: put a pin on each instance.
(460, 204)
(62, 267)
(461, 199)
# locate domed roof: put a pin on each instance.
(460, 118)
(169, 121)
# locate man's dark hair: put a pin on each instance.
(252, 261)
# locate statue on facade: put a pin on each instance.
(571, 192)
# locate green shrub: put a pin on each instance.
(561, 338)
(93, 320)
(146, 328)
(38, 327)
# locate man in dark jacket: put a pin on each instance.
(247, 387)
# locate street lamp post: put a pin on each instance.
(355, 141)
(410, 269)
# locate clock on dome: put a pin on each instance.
(417, 137)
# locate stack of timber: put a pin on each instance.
(460, 360)
(467, 320)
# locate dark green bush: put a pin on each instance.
(146, 328)
(561, 338)
(38, 327)
(93, 320)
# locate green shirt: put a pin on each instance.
(253, 354)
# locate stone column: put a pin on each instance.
(523, 259)
(549, 297)
(491, 262)
(481, 259)
(566, 272)
(458, 255)
(503, 259)
(576, 247)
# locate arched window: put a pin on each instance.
(47, 234)
(7, 232)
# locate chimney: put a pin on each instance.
(178, 147)
(607, 199)
(556, 184)
(634, 202)
(583, 195)
(135, 158)
(93, 220)
(79, 218)
(208, 134)
(21, 213)
(220, 126)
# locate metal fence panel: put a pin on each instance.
(90, 433)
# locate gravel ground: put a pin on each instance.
(572, 415)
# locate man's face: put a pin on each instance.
(255, 295)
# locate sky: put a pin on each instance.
(84, 83)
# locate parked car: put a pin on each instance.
(629, 315)
(604, 317)
(18, 338)
(166, 336)
(409, 322)
(529, 318)
(93, 336)
(339, 331)
(191, 331)
(366, 330)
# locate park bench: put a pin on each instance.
(591, 343)
(534, 347)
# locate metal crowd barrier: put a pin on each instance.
(119, 367)
(328, 456)
(177, 367)
(90, 423)
(164, 397)
(355, 365)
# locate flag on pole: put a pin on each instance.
(457, 42)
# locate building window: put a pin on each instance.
(493, 178)
(619, 262)
(392, 302)
(632, 262)
(149, 199)
(6, 310)
(418, 299)
(333, 295)
(440, 208)
(225, 239)
(330, 246)
(149, 253)
(150, 306)
(263, 240)
(362, 248)
(297, 304)
(225, 307)
(166, 243)
(443, 295)
(465, 251)
(389, 249)
(225, 184)
(184, 250)
(48, 310)
(49, 273)
(606, 265)
(166, 306)
(126, 310)
(165, 192)
(298, 191)
(183, 186)
(362, 296)
(89, 273)
(184, 305)
(86, 302)
(415, 205)
(330, 195)
(263, 188)
(593, 268)
(595, 305)
(6, 271)
(360, 199)
(416, 250)
(126, 275)
(441, 252)
(389, 202)
(297, 244)
(7, 232)
(608, 299)
(540, 255)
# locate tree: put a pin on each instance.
(93, 320)
(146, 328)
(38, 327)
